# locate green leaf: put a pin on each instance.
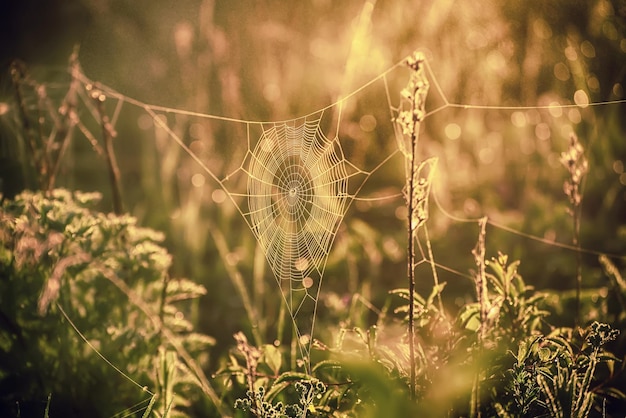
(544, 354)
(404, 294)
(330, 364)
(433, 294)
(148, 411)
(272, 357)
(275, 389)
(292, 376)
(470, 317)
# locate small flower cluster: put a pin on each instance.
(254, 403)
(600, 334)
(574, 160)
(414, 95)
(251, 353)
(309, 390)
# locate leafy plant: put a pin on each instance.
(567, 382)
(107, 278)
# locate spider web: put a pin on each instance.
(292, 184)
(293, 181)
(297, 193)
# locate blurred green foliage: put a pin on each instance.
(60, 259)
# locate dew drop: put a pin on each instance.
(367, 123)
(218, 196)
(302, 264)
(581, 98)
(518, 119)
(307, 282)
(555, 110)
(588, 49)
(453, 131)
(197, 180)
(561, 72)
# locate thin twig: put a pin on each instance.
(577, 166)
(481, 280)
(18, 73)
(411, 269)
(483, 299)
(108, 133)
(579, 263)
(70, 119)
(44, 108)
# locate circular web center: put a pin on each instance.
(292, 196)
(294, 191)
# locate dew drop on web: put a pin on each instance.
(307, 282)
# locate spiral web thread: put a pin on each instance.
(297, 195)
(299, 185)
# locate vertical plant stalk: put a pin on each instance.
(19, 76)
(69, 118)
(577, 166)
(481, 279)
(46, 146)
(411, 270)
(416, 189)
(163, 302)
(252, 356)
(483, 303)
(579, 265)
(108, 133)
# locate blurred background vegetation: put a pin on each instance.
(274, 60)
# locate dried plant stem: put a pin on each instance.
(483, 303)
(411, 271)
(18, 73)
(579, 263)
(411, 261)
(108, 133)
(575, 162)
(416, 188)
(481, 280)
(166, 282)
(68, 124)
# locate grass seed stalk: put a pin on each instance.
(414, 97)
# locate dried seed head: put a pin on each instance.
(574, 160)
